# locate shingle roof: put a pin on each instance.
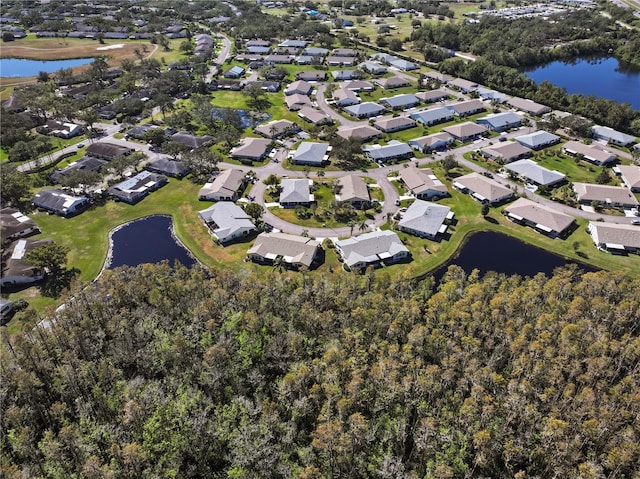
(365, 132)
(433, 115)
(226, 219)
(310, 153)
(528, 106)
(507, 150)
(276, 128)
(614, 135)
(545, 216)
(295, 191)
(420, 181)
(392, 82)
(226, 184)
(589, 152)
(394, 149)
(367, 108)
(292, 249)
(370, 247)
(466, 107)
(253, 148)
(401, 100)
(498, 121)
(425, 217)
(604, 194)
(534, 172)
(615, 234)
(465, 130)
(353, 189)
(483, 187)
(631, 175)
(537, 139)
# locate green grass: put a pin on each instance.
(581, 171)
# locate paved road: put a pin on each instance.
(223, 54)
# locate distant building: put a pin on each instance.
(612, 136)
(16, 271)
(422, 183)
(15, 225)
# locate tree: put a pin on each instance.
(603, 177)
(485, 210)
(50, 256)
(80, 179)
(8, 37)
(254, 210)
(43, 77)
(254, 92)
(15, 184)
(449, 162)
(395, 44)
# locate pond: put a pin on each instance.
(248, 118)
(18, 67)
(601, 77)
(491, 251)
(147, 240)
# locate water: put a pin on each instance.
(601, 77)
(248, 118)
(16, 67)
(490, 251)
(148, 240)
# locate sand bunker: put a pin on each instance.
(111, 47)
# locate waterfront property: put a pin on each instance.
(630, 175)
(16, 271)
(353, 190)
(15, 225)
(425, 219)
(466, 131)
(393, 151)
(422, 183)
(591, 153)
(137, 187)
(435, 141)
(482, 189)
(544, 219)
(60, 203)
(227, 186)
(310, 153)
(371, 249)
(284, 249)
(612, 136)
(538, 139)
(227, 221)
(295, 192)
(587, 193)
(530, 172)
(615, 238)
(506, 152)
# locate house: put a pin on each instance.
(531, 172)
(528, 106)
(343, 97)
(364, 132)
(506, 152)
(252, 149)
(107, 151)
(353, 190)
(465, 86)
(277, 129)
(60, 203)
(340, 75)
(268, 86)
(612, 136)
(538, 139)
(391, 82)
(287, 51)
(297, 101)
(542, 218)
(306, 60)
(492, 95)
(433, 116)
(16, 271)
(425, 219)
(595, 154)
(299, 87)
(279, 59)
(251, 59)
(587, 193)
(394, 150)
(501, 121)
(365, 110)
(86, 163)
(293, 44)
(437, 76)
(482, 189)
(310, 153)
(371, 249)
(630, 175)
(168, 167)
(422, 183)
(139, 131)
(227, 186)
(137, 187)
(400, 102)
(309, 76)
(289, 250)
(192, 141)
(315, 52)
(465, 131)
(403, 65)
(359, 85)
(432, 95)
(257, 43)
(383, 57)
(227, 221)
(466, 108)
(429, 143)
(373, 68)
(314, 116)
(234, 72)
(61, 129)
(15, 225)
(393, 124)
(295, 192)
(340, 61)
(258, 50)
(344, 52)
(614, 238)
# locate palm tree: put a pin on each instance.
(279, 263)
(351, 224)
(363, 226)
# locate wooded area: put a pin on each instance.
(156, 372)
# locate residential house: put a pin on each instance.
(353, 190)
(364, 132)
(429, 143)
(299, 87)
(341, 61)
(542, 218)
(287, 51)
(391, 152)
(466, 108)
(465, 86)
(482, 189)
(340, 75)
(391, 82)
(310, 153)
(432, 96)
(289, 250)
(615, 238)
(277, 129)
(595, 154)
(343, 97)
(425, 219)
(227, 221)
(60, 203)
(192, 141)
(168, 167)
(134, 189)
(437, 76)
(373, 68)
(528, 106)
(492, 95)
(467, 131)
(404, 65)
(293, 44)
(86, 163)
(258, 42)
(422, 183)
(234, 72)
(252, 149)
(15, 225)
(538, 139)
(630, 175)
(612, 136)
(371, 249)
(297, 101)
(226, 186)
(307, 60)
(138, 132)
(501, 121)
(107, 151)
(258, 50)
(365, 110)
(16, 271)
(531, 172)
(359, 85)
(60, 129)
(310, 76)
(506, 152)
(315, 52)
(383, 57)
(344, 52)
(268, 86)
(295, 192)
(587, 193)
(400, 102)
(279, 59)
(393, 124)
(433, 116)
(226, 84)
(312, 115)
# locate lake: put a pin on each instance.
(602, 77)
(17, 67)
(491, 251)
(147, 240)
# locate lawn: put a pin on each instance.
(580, 172)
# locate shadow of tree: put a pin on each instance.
(491, 220)
(53, 285)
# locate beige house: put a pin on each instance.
(587, 193)
(544, 219)
(227, 186)
(615, 238)
(292, 251)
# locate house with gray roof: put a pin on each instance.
(422, 183)
(226, 186)
(344, 97)
(433, 116)
(60, 203)
(309, 76)
(630, 175)
(425, 219)
(400, 102)
(134, 189)
(277, 129)
(107, 151)
(364, 132)
(279, 59)
(530, 172)
(501, 121)
(341, 61)
(542, 218)
(86, 163)
(615, 238)
(404, 65)
(393, 124)
(482, 189)
(306, 59)
(295, 192)
(353, 190)
(315, 116)
(15, 270)
(310, 153)
(432, 96)
(429, 143)
(315, 51)
(492, 95)
(252, 149)
(391, 82)
(371, 249)
(169, 167)
(612, 136)
(595, 154)
(586, 193)
(359, 85)
(506, 152)
(15, 225)
(538, 139)
(258, 50)
(233, 72)
(345, 74)
(365, 110)
(344, 52)
(389, 153)
(292, 251)
(467, 131)
(528, 106)
(373, 68)
(465, 86)
(297, 101)
(466, 108)
(192, 141)
(293, 43)
(300, 87)
(227, 221)
(383, 57)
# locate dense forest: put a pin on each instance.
(156, 372)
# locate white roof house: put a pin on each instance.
(612, 136)
(616, 238)
(501, 121)
(227, 221)
(425, 219)
(543, 218)
(538, 139)
(310, 153)
(226, 186)
(433, 116)
(534, 173)
(295, 192)
(372, 248)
